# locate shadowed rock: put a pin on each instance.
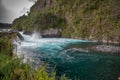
(20, 36)
(27, 33)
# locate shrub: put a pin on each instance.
(6, 46)
(14, 69)
(49, 20)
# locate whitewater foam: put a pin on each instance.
(35, 47)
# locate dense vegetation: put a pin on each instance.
(39, 22)
(12, 68)
(6, 47)
(86, 19)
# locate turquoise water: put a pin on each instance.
(74, 58)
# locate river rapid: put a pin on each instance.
(70, 56)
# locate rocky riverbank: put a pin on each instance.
(49, 33)
(106, 48)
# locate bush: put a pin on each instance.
(14, 69)
(6, 46)
(49, 20)
(39, 21)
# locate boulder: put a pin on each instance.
(27, 32)
(106, 48)
(20, 36)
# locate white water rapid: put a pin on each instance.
(69, 56)
(34, 48)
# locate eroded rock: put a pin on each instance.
(56, 33)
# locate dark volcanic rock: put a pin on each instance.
(106, 48)
(20, 36)
(27, 32)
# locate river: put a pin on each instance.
(71, 57)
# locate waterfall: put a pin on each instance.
(34, 48)
(35, 40)
(34, 36)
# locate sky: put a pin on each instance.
(11, 9)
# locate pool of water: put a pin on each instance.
(73, 58)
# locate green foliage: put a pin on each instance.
(6, 46)
(20, 22)
(40, 21)
(59, 1)
(13, 69)
(49, 20)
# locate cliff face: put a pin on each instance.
(83, 19)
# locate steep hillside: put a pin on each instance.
(83, 19)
